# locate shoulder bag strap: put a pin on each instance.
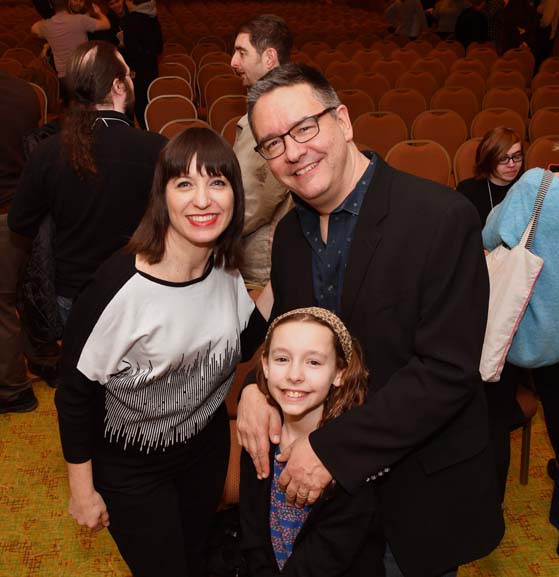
(530, 232)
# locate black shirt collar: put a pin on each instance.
(110, 118)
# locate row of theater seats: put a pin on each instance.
(442, 124)
(428, 159)
(455, 112)
(332, 22)
(376, 80)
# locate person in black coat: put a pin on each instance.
(143, 42)
(472, 24)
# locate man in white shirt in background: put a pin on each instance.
(262, 44)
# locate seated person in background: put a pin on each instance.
(499, 159)
(312, 371)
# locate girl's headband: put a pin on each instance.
(333, 321)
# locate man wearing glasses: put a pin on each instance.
(262, 44)
(400, 260)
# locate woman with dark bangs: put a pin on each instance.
(150, 352)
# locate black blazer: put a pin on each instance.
(415, 295)
(336, 540)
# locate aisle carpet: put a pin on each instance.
(39, 539)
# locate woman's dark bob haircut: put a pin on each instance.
(216, 157)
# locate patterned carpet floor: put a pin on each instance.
(39, 539)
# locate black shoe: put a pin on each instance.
(24, 403)
(48, 373)
(552, 467)
(53, 383)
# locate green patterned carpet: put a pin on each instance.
(38, 538)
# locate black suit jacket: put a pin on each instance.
(337, 539)
(415, 294)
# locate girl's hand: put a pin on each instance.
(89, 510)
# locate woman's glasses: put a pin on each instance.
(514, 158)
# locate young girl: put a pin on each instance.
(313, 371)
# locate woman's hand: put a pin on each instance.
(89, 510)
(257, 421)
(86, 505)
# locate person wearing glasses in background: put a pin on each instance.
(498, 165)
(400, 260)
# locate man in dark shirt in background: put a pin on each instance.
(143, 42)
(472, 24)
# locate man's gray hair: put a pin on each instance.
(292, 74)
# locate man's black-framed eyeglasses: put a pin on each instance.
(303, 131)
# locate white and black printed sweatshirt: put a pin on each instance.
(146, 363)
